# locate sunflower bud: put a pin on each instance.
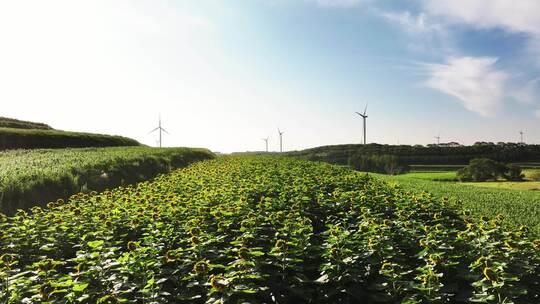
(195, 240)
(490, 274)
(131, 246)
(243, 253)
(201, 267)
(218, 283)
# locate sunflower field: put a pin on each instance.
(263, 230)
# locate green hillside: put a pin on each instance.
(22, 124)
(36, 177)
(52, 139)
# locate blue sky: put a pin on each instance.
(224, 74)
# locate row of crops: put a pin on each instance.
(263, 230)
(32, 177)
(519, 207)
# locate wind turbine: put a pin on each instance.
(438, 137)
(521, 134)
(280, 140)
(160, 129)
(266, 141)
(364, 117)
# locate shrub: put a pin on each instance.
(484, 169)
(388, 164)
(513, 173)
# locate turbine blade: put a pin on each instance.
(165, 131)
(153, 130)
(365, 109)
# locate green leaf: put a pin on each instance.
(80, 287)
(95, 244)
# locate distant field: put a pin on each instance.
(526, 185)
(35, 177)
(434, 168)
(433, 176)
(13, 138)
(519, 207)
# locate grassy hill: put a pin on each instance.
(22, 124)
(36, 177)
(51, 139)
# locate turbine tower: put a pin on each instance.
(266, 141)
(160, 129)
(438, 137)
(280, 140)
(364, 117)
(521, 135)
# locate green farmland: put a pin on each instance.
(263, 230)
(519, 207)
(36, 177)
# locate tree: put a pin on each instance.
(513, 173)
(484, 169)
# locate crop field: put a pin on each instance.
(263, 230)
(525, 185)
(432, 176)
(33, 177)
(519, 207)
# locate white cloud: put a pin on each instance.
(411, 23)
(537, 113)
(526, 94)
(337, 3)
(424, 33)
(521, 16)
(473, 80)
(513, 16)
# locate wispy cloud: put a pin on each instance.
(424, 33)
(474, 81)
(337, 3)
(528, 93)
(410, 22)
(511, 16)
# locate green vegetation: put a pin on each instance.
(51, 139)
(32, 177)
(418, 155)
(377, 163)
(519, 207)
(532, 174)
(524, 185)
(442, 176)
(435, 168)
(263, 230)
(21, 124)
(484, 169)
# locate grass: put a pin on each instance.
(525, 185)
(36, 177)
(519, 207)
(433, 176)
(21, 124)
(11, 138)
